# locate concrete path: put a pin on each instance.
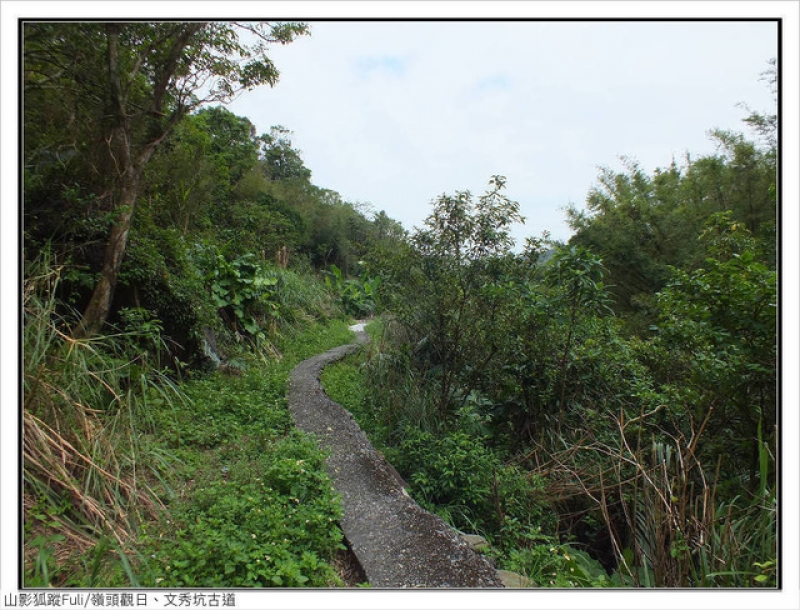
(397, 542)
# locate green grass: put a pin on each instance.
(250, 504)
(132, 480)
(346, 383)
(87, 465)
(343, 381)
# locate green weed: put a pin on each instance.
(264, 518)
(252, 504)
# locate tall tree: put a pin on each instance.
(152, 75)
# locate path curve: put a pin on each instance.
(397, 543)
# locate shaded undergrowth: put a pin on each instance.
(667, 531)
(132, 479)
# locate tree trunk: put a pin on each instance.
(130, 161)
(99, 307)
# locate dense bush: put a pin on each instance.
(637, 435)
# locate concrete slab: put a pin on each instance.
(397, 543)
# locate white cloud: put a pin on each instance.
(396, 113)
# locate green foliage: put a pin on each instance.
(343, 381)
(160, 275)
(719, 323)
(443, 289)
(655, 432)
(456, 476)
(103, 430)
(451, 472)
(154, 74)
(281, 161)
(244, 287)
(576, 275)
(550, 564)
(87, 462)
(210, 180)
(270, 520)
(221, 408)
(253, 505)
(303, 298)
(359, 297)
(500, 387)
(642, 225)
(346, 382)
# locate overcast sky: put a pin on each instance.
(396, 113)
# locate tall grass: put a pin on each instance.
(660, 506)
(303, 299)
(84, 418)
(400, 395)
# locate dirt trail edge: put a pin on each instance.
(397, 542)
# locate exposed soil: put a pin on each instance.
(349, 570)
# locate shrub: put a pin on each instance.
(358, 297)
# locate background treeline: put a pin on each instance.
(605, 410)
(137, 179)
(222, 211)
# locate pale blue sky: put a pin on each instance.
(396, 113)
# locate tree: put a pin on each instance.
(233, 147)
(444, 288)
(766, 124)
(281, 161)
(642, 225)
(719, 324)
(578, 275)
(152, 75)
(181, 177)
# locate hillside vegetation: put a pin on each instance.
(603, 411)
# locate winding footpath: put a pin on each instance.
(397, 543)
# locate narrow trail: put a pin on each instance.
(397, 543)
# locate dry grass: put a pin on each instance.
(659, 505)
(82, 463)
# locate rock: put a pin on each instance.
(210, 350)
(512, 580)
(475, 542)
